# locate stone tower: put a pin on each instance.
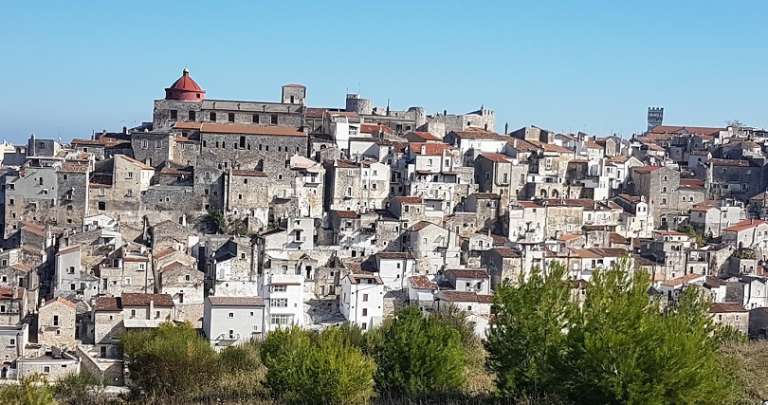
(655, 117)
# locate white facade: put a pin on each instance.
(233, 320)
(284, 300)
(362, 300)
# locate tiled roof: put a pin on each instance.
(723, 307)
(490, 196)
(506, 252)
(729, 162)
(248, 173)
(394, 255)
(496, 157)
(357, 278)
(346, 214)
(465, 296)
(141, 299)
(476, 133)
(107, 304)
(61, 301)
(467, 273)
(646, 169)
(408, 199)
(422, 283)
(428, 149)
(744, 225)
(135, 162)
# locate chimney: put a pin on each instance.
(125, 130)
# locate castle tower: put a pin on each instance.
(655, 117)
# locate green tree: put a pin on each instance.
(526, 340)
(171, 360)
(619, 347)
(418, 355)
(309, 367)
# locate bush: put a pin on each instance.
(307, 367)
(80, 389)
(239, 358)
(171, 360)
(32, 390)
(418, 355)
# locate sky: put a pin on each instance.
(68, 68)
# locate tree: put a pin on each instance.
(170, 360)
(620, 346)
(309, 367)
(418, 355)
(526, 340)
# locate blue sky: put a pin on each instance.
(68, 68)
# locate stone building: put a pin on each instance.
(659, 186)
(356, 186)
(498, 174)
(56, 324)
(30, 196)
(185, 284)
(185, 101)
(735, 178)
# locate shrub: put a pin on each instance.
(169, 360)
(307, 367)
(32, 390)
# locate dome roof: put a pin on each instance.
(184, 89)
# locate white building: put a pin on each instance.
(233, 320)
(394, 268)
(284, 295)
(362, 299)
(421, 292)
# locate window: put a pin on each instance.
(231, 117)
(102, 205)
(242, 142)
(364, 326)
(46, 369)
(281, 319)
(55, 320)
(231, 334)
(212, 117)
(278, 288)
(273, 119)
(255, 118)
(174, 114)
(365, 297)
(187, 277)
(231, 315)
(157, 314)
(192, 116)
(133, 313)
(278, 302)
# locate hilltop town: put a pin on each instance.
(244, 217)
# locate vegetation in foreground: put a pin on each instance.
(612, 346)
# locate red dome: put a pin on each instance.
(185, 89)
